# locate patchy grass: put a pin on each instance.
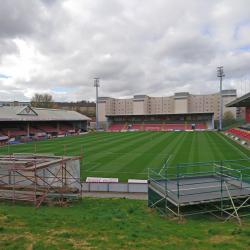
(114, 224)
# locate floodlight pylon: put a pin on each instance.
(220, 73)
(97, 84)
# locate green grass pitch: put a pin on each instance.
(129, 155)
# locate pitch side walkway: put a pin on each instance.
(133, 196)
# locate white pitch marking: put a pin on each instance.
(232, 145)
(94, 166)
(166, 163)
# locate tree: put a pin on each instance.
(228, 116)
(42, 100)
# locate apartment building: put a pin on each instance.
(179, 103)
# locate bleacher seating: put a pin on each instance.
(200, 126)
(174, 126)
(65, 128)
(126, 127)
(77, 129)
(152, 127)
(47, 128)
(13, 131)
(135, 127)
(20, 132)
(32, 130)
(240, 133)
(189, 127)
(1, 134)
(116, 127)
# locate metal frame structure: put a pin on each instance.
(221, 188)
(35, 178)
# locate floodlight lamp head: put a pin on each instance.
(96, 82)
(220, 72)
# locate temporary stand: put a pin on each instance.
(40, 178)
(219, 188)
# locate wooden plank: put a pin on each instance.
(19, 192)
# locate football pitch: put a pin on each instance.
(129, 155)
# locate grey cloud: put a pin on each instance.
(134, 47)
(186, 48)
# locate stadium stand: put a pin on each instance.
(66, 128)
(152, 127)
(188, 127)
(240, 133)
(116, 127)
(174, 126)
(135, 127)
(32, 130)
(200, 126)
(245, 126)
(77, 129)
(47, 128)
(13, 131)
(1, 134)
(125, 127)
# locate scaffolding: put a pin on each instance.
(40, 179)
(220, 188)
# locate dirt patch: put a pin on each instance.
(150, 210)
(219, 239)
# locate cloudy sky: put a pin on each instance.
(147, 47)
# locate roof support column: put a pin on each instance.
(28, 128)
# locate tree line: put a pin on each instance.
(46, 101)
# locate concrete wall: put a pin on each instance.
(180, 106)
(138, 107)
(115, 187)
(101, 112)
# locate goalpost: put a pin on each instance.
(153, 129)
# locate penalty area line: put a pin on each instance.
(166, 163)
(94, 166)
